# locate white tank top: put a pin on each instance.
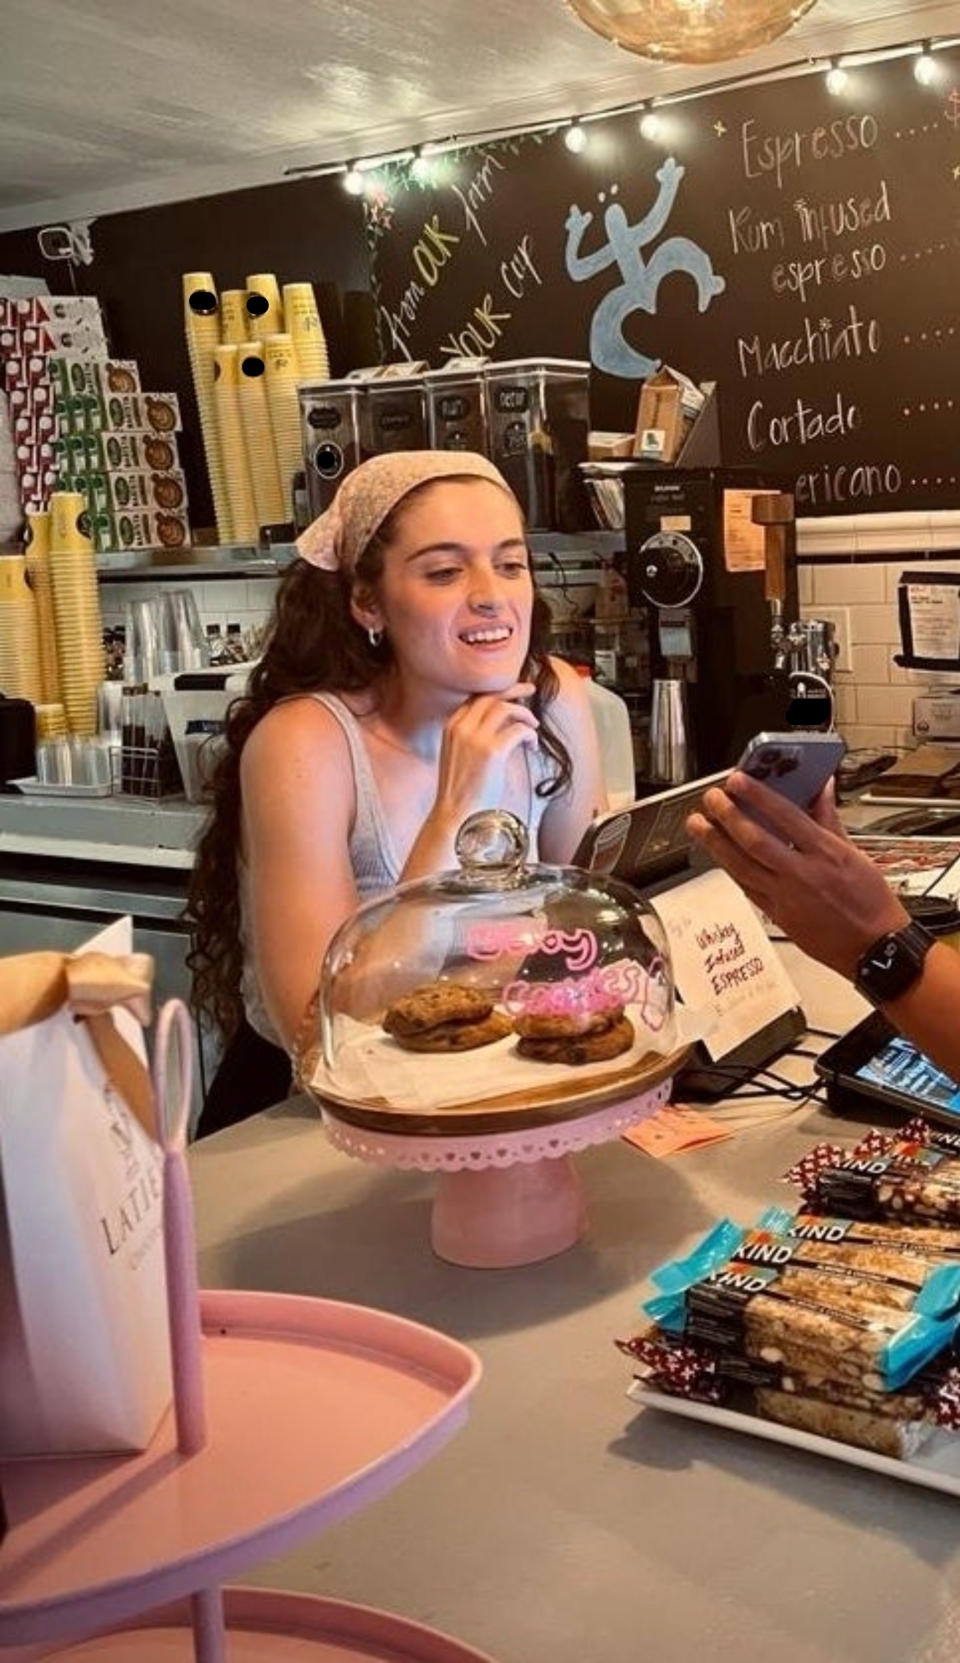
(373, 857)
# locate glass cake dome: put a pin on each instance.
(497, 985)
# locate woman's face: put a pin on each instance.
(456, 594)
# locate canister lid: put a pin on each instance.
(509, 366)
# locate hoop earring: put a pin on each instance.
(374, 636)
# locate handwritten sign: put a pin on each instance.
(801, 251)
(722, 960)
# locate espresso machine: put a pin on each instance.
(710, 557)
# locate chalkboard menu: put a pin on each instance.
(800, 249)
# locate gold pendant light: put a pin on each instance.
(690, 31)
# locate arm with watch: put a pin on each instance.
(831, 899)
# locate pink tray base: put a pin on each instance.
(503, 1198)
(267, 1626)
(314, 1408)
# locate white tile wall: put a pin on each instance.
(875, 699)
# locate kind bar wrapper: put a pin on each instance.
(836, 1273)
(910, 1177)
(680, 1368)
(747, 1309)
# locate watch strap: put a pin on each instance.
(892, 963)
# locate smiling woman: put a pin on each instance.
(405, 684)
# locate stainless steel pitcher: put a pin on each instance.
(671, 758)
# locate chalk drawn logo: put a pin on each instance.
(641, 278)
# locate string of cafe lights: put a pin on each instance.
(836, 72)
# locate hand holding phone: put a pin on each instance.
(796, 766)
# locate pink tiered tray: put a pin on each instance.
(289, 1413)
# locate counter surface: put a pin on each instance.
(106, 829)
(562, 1523)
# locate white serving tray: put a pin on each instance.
(936, 1466)
(30, 786)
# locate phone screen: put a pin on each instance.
(899, 1067)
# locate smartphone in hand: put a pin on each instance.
(796, 766)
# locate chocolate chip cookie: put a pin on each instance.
(570, 1025)
(585, 1048)
(458, 1036)
(434, 1005)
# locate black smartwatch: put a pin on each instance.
(893, 963)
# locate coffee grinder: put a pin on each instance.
(716, 587)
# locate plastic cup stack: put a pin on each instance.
(233, 317)
(280, 365)
(303, 323)
(201, 318)
(258, 435)
(243, 508)
(264, 308)
(76, 606)
(19, 642)
(41, 582)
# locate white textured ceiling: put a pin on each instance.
(110, 104)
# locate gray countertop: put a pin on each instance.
(121, 829)
(563, 1523)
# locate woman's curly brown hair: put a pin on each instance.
(313, 645)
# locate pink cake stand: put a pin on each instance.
(288, 1414)
(504, 1197)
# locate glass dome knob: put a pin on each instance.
(491, 844)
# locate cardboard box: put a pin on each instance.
(669, 404)
(608, 447)
(141, 529)
(161, 491)
(142, 412)
(661, 424)
(135, 451)
(100, 376)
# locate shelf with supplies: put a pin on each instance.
(231, 560)
(222, 560)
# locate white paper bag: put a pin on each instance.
(84, 1342)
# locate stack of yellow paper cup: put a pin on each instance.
(201, 318)
(258, 435)
(264, 309)
(41, 582)
(19, 646)
(76, 606)
(281, 378)
(303, 322)
(233, 317)
(243, 511)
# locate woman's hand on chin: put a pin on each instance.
(478, 741)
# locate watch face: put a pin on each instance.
(892, 964)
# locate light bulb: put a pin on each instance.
(575, 138)
(650, 125)
(353, 180)
(926, 70)
(420, 167)
(836, 78)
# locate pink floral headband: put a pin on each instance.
(336, 540)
